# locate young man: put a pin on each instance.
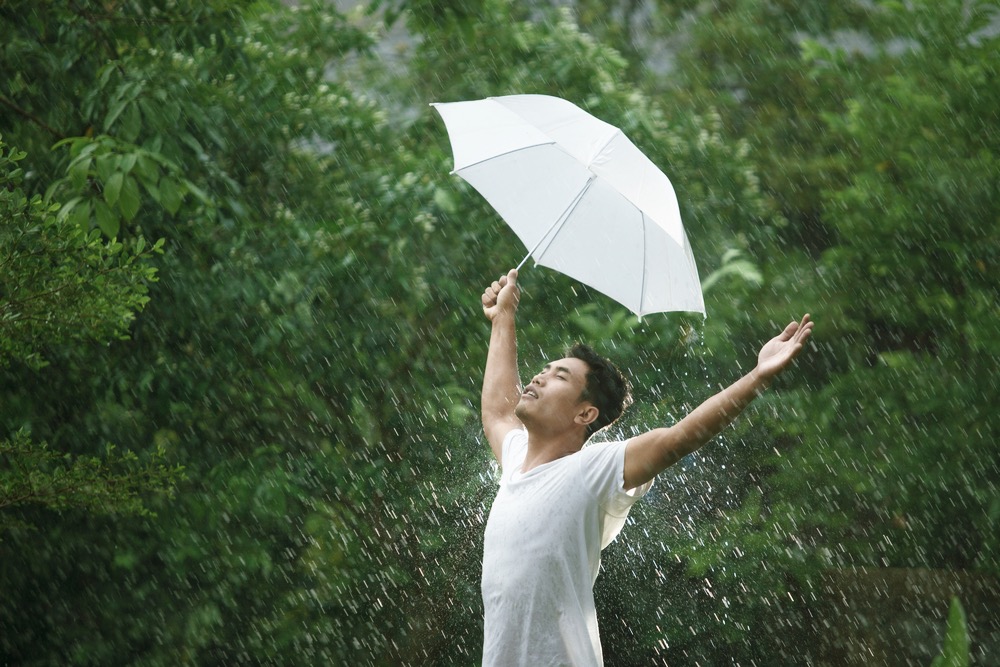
(559, 502)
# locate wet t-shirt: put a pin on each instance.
(542, 553)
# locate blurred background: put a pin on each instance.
(241, 340)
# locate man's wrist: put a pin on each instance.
(504, 318)
(759, 379)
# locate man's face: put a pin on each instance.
(553, 395)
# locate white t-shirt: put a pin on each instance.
(542, 553)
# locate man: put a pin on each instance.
(559, 502)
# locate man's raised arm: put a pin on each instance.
(648, 454)
(501, 384)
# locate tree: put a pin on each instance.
(311, 350)
(912, 227)
(61, 283)
(889, 460)
(64, 286)
(310, 376)
(869, 126)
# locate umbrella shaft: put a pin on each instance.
(553, 231)
(523, 261)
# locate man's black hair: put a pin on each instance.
(606, 387)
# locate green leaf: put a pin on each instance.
(113, 188)
(80, 214)
(153, 189)
(734, 265)
(113, 113)
(955, 652)
(78, 171)
(198, 192)
(129, 202)
(146, 168)
(107, 220)
(67, 209)
(68, 140)
(131, 123)
(170, 195)
(105, 165)
(128, 161)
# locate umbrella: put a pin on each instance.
(580, 196)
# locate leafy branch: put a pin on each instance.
(34, 474)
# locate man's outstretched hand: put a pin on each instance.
(501, 298)
(778, 352)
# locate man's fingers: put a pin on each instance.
(789, 331)
(805, 328)
(491, 295)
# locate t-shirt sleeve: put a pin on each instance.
(603, 470)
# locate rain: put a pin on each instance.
(242, 344)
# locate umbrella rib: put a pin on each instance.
(607, 143)
(642, 291)
(495, 156)
(556, 226)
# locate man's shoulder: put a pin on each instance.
(596, 448)
(604, 451)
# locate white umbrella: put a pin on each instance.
(580, 196)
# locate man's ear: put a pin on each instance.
(587, 415)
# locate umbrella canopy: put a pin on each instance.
(580, 196)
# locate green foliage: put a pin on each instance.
(63, 285)
(883, 172)
(955, 647)
(103, 178)
(311, 351)
(872, 133)
(116, 483)
(59, 282)
(914, 226)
